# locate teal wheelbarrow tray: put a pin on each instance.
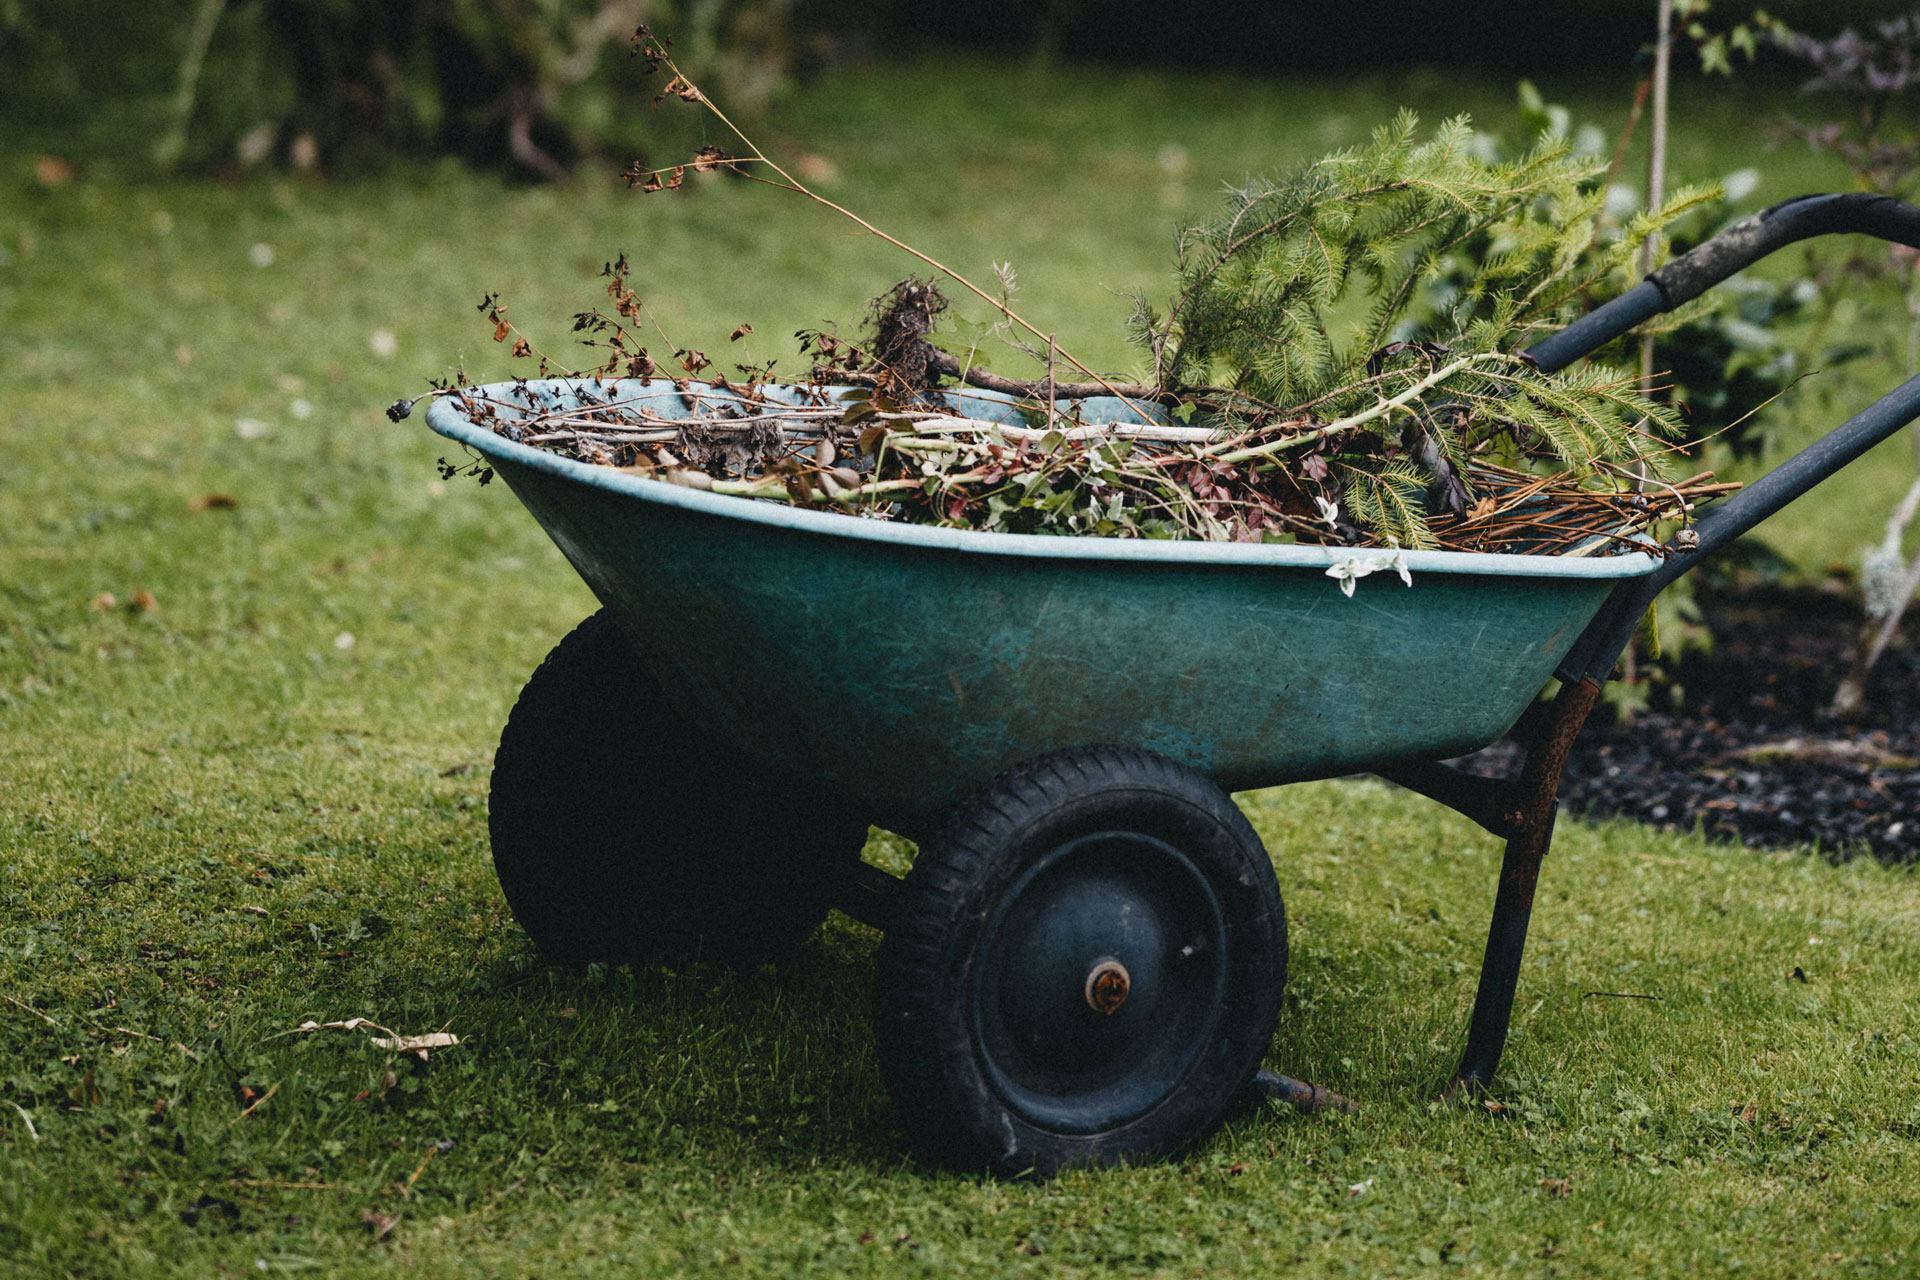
(1085, 963)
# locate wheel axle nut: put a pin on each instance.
(1107, 987)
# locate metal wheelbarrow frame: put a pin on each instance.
(903, 669)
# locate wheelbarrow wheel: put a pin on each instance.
(1085, 967)
(621, 833)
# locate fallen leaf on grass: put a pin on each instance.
(392, 1040)
(378, 1223)
(1556, 1186)
(256, 1101)
(418, 1044)
(213, 502)
(350, 1024)
(103, 602)
(144, 602)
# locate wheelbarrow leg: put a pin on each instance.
(1529, 828)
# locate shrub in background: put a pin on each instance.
(527, 84)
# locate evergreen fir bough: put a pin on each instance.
(1437, 254)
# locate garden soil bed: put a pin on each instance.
(1743, 753)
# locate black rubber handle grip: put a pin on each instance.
(1739, 246)
(1753, 238)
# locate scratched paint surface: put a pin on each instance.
(903, 676)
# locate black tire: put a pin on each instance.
(622, 834)
(989, 1040)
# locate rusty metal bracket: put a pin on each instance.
(1488, 801)
(1305, 1098)
(1530, 833)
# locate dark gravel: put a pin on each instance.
(1744, 753)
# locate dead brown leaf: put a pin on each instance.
(378, 1223)
(254, 1102)
(213, 502)
(418, 1045)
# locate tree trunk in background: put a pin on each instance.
(171, 144)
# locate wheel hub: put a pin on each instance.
(1098, 977)
(1107, 986)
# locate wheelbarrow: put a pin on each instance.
(1085, 963)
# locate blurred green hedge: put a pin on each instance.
(532, 85)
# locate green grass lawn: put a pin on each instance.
(262, 801)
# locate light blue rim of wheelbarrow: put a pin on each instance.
(444, 416)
